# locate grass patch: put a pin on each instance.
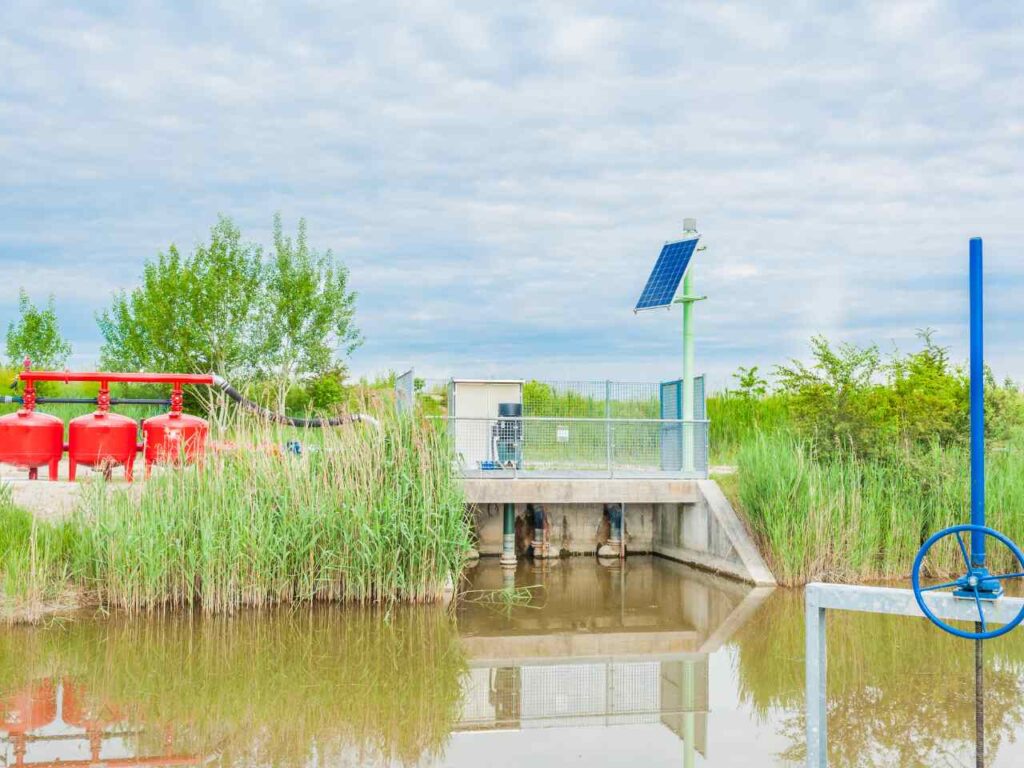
(852, 519)
(362, 516)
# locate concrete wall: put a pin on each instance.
(699, 527)
(708, 533)
(574, 527)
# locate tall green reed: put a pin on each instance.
(844, 518)
(363, 514)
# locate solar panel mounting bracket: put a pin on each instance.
(689, 299)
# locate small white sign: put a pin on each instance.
(562, 434)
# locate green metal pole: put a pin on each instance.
(508, 540)
(688, 370)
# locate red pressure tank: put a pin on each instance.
(29, 440)
(102, 439)
(173, 437)
(29, 710)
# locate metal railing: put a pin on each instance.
(580, 447)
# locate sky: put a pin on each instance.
(500, 177)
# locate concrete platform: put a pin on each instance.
(580, 491)
(690, 521)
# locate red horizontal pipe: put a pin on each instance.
(137, 378)
(119, 762)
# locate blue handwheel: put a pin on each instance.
(976, 582)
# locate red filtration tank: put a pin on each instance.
(174, 437)
(102, 439)
(30, 440)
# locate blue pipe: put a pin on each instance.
(977, 404)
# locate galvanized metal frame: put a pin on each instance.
(405, 391)
(611, 463)
(819, 598)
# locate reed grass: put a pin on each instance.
(851, 519)
(363, 515)
(737, 419)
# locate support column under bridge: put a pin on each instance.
(690, 521)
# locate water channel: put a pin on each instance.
(643, 662)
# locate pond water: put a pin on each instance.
(645, 662)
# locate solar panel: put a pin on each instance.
(667, 273)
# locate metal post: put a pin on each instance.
(814, 653)
(608, 424)
(689, 716)
(977, 403)
(688, 372)
(508, 541)
(979, 699)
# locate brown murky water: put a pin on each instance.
(648, 663)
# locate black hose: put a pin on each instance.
(292, 421)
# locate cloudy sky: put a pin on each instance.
(500, 177)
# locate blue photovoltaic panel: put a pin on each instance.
(667, 273)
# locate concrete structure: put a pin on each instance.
(690, 521)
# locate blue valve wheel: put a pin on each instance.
(976, 583)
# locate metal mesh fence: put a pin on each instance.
(559, 447)
(572, 428)
(588, 399)
(591, 399)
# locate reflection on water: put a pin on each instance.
(646, 662)
(279, 688)
(900, 691)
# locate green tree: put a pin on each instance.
(837, 402)
(310, 311)
(930, 398)
(193, 314)
(36, 335)
(279, 320)
(749, 383)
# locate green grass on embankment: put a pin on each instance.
(848, 519)
(849, 463)
(362, 516)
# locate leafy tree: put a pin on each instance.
(310, 311)
(36, 335)
(279, 320)
(930, 398)
(749, 383)
(194, 314)
(836, 402)
(849, 399)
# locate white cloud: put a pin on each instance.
(502, 178)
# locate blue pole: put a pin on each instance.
(977, 404)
